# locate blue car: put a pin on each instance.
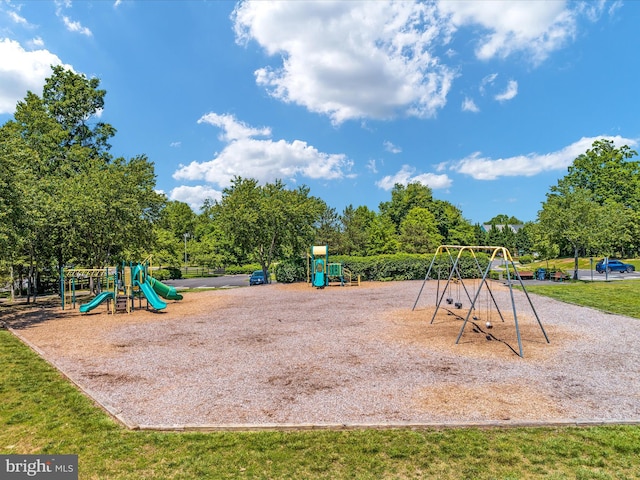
(614, 266)
(257, 278)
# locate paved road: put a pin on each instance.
(225, 281)
(586, 275)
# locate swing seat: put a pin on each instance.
(458, 304)
(449, 301)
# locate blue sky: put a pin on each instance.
(486, 102)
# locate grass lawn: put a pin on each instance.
(41, 412)
(620, 296)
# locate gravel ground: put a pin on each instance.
(285, 355)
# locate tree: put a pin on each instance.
(403, 199)
(453, 227)
(328, 229)
(571, 216)
(419, 232)
(355, 228)
(382, 237)
(611, 178)
(267, 222)
(78, 204)
(503, 219)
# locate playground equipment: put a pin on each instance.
(455, 278)
(323, 273)
(121, 287)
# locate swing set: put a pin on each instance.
(455, 283)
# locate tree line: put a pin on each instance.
(66, 201)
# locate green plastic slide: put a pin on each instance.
(154, 300)
(165, 291)
(96, 301)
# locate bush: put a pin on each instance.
(412, 266)
(291, 270)
(169, 273)
(524, 259)
(247, 269)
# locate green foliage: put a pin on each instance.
(355, 228)
(245, 269)
(169, 273)
(71, 201)
(267, 222)
(594, 208)
(410, 266)
(525, 259)
(419, 232)
(291, 270)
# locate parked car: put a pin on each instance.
(614, 266)
(257, 278)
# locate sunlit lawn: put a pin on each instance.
(619, 296)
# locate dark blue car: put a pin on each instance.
(614, 266)
(257, 278)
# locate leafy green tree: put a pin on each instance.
(328, 230)
(419, 232)
(110, 212)
(73, 101)
(571, 216)
(382, 237)
(503, 219)
(79, 205)
(355, 227)
(479, 235)
(453, 227)
(268, 222)
(403, 199)
(178, 218)
(607, 173)
(524, 240)
(610, 177)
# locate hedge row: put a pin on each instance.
(412, 266)
(390, 267)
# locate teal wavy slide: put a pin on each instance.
(151, 295)
(165, 291)
(96, 301)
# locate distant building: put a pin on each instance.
(514, 228)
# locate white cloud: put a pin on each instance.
(175, 144)
(75, 26)
(351, 60)
(390, 147)
(36, 42)
(468, 105)
(70, 25)
(22, 70)
(537, 28)
(233, 129)
(263, 159)
(194, 195)
(20, 20)
(510, 92)
(483, 168)
(406, 176)
(488, 80)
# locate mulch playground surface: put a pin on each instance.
(292, 356)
